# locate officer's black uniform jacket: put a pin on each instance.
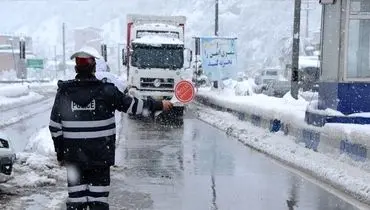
(82, 122)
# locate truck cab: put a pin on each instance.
(155, 56)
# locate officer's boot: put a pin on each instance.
(98, 206)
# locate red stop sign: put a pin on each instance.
(184, 91)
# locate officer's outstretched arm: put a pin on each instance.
(55, 127)
(136, 106)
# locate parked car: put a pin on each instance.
(272, 83)
(267, 76)
(7, 155)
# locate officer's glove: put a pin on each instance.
(167, 105)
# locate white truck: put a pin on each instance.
(155, 56)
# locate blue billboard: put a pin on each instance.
(219, 57)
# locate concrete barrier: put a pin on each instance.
(333, 140)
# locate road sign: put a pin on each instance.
(35, 63)
(184, 91)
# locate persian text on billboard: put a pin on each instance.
(219, 57)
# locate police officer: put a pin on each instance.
(82, 125)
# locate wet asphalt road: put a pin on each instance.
(196, 166)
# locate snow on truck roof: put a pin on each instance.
(158, 40)
(172, 20)
(160, 26)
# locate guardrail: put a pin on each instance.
(318, 139)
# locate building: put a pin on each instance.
(88, 36)
(345, 59)
(9, 51)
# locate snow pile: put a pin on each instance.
(308, 61)
(358, 134)
(342, 176)
(236, 88)
(37, 165)
(53, 200)
(245, 88)
(286, 108)
(7, 102)
(13, 91)
(8, 75)
(291, 113)
(45, 88)
(35, 170)
(41, 143)
(31, 179)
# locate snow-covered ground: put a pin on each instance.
(286, 109)
(265, 106)
(37, 167)
(339, 174)
(16, 95)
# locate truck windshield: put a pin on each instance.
(171, 34)
(168, 57)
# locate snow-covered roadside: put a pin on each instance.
(17, 95)
(44, 88)
(333, 139)
(37, 164)
(14, 91)
(10, 102)
(285, 108)
(342, 176)
(38, 179)
(26, 111)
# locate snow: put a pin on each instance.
(363, 114)
(291, 112)
(158, 26)
(86, 51)
(9, 102)
(118, 82)
(16, 95)
(341, 175)
(13, 91)
(309, 61)
(313, 108)
(237, 18)
(286, 108)
(175, 20)
(157, 40)
(32, 179)
(41, 143)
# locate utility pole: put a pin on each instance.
(215, 83)
(216, 18)
(55, 62)
(118, 59)
(64, 48)
(14, 60)
(295, 54)
(308, 10)
(307, 17)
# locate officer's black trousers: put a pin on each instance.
(88, 187)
